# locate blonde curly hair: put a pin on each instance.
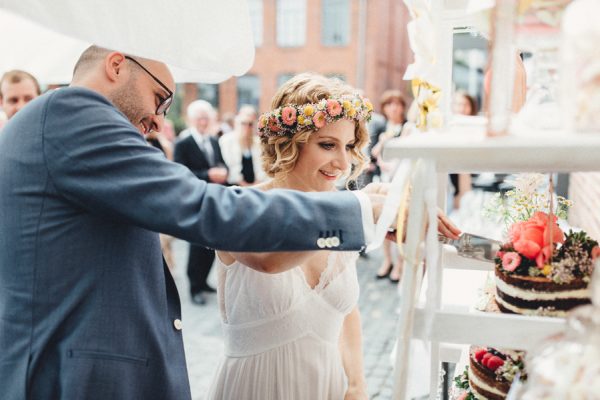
(280, 153)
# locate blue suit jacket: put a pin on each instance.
(87, 306)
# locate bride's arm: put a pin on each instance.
(352, 356)
(271, 263)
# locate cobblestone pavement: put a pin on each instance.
(378, 303)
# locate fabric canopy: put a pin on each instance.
(201, 40)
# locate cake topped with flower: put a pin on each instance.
(540, 270)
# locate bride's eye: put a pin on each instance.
(327, 146)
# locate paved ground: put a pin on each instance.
(378, 304)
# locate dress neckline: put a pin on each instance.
(323, 282)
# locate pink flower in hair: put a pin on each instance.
(510, 261)
(273, 125)
(288, 115)
(319, 119)
(333, 108)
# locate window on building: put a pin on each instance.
(283, 78)
(210, 93)
(248, 90)
(256, 19)
(291, 23)
(335, 24)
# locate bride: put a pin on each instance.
(290, 320)
(294, 332)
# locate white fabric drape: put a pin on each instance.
(201, 40)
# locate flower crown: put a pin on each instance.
(292, 118)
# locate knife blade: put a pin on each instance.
(474, 246)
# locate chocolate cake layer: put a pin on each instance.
(557, 304)
(484, 393)
(538, 283)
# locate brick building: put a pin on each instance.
(363, 42)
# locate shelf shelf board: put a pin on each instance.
(509, 331)
(465, 148)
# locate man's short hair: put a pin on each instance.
(89, 57)
(16, 76)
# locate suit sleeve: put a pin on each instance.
(98, 162)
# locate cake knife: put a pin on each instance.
(473, 246)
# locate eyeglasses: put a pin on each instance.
(165, 103)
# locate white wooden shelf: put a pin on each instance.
(465, 148)
(505, 331)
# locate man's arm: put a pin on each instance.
(100, 163)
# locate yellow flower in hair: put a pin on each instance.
(300, 119)
(347, 105)
(351, 112)
(309, 110)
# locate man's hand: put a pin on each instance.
(217, 175)
(447, 228)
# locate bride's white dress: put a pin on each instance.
(281, 335)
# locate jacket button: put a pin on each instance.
(321, 243)
(328, 242)
(178, 324)
(335, 241)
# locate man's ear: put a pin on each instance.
(114, 66)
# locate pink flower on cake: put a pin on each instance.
(510, 261)
(319, 119)
(529, 237)
(595, 252)
(288, 115)
(514, 233)
(333, 108)
(543, 257)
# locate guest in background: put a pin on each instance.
(393, 107)
(241, 150)
(200, 152)
(17, 88)
(463, 104)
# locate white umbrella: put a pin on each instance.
(201, 40)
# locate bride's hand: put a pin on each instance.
(356, 393)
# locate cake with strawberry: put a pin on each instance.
(542, 271)
(490, 373)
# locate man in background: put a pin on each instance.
(17, 88)
(200, 152)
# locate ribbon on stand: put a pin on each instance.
(411, 278)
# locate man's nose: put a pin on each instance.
(158, 122)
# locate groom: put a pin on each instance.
(88, 309)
